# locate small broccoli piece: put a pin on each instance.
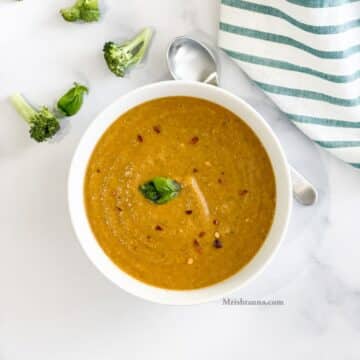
(43, 123)
(120, 56)
(86, 10)
(71, 102)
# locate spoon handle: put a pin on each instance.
(304, 192)
(212, 79)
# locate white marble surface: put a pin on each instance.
(55, 305)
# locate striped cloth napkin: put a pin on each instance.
(305, 54)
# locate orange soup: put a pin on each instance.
(180, 193)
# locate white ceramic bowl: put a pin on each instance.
(76, 192)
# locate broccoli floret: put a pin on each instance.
(120, 56)
(43, 123)
(86, 10)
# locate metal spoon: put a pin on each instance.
(190, 59)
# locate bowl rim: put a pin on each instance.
(87, 239)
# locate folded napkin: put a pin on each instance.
(305, 54)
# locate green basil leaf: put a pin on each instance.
(71, 102)
(160, 190)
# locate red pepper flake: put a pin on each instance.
(243, 192)
(98, 171)
(188, 212)
(148, 237)
(197, 246)
(201, 234)
(217, 244)
(158, 228)
(222, 173)
(157, 129)
(219, 181)
(118, 208)
(194, 140)
(140, 138)
(195, 170)
(216, 222)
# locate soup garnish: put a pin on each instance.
(160, 189)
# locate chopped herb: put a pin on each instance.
(160, 190)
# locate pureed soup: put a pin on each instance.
(180, 193)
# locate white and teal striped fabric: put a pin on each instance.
(305, 54)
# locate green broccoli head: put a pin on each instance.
(70, 14)
(86, 10)
(43, 123)
(121, 56)
(116, 59)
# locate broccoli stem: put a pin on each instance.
(138, 45)
(22, 107)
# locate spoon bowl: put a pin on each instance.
(191, 60)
